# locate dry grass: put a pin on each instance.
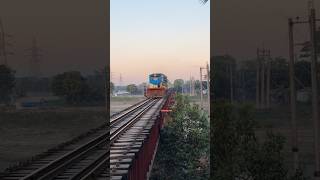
(119, 103)
(278, 121)
(24, 134)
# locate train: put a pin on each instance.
(157, 86)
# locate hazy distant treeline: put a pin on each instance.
(71, 86)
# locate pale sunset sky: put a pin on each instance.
(166, 36)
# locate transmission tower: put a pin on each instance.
(35, 59)
(4, 44)
(120, 82)
(263, 78)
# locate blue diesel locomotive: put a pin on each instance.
(158, 85)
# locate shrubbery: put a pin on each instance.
(75, 88)
(184, 144)
(237, 154)
(235, 151)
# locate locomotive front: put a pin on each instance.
(158, 85)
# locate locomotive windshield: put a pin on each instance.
(157, 79)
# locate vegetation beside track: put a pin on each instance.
(278, 116)
(236, 152)
(183, 150)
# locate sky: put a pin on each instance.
(167, 36)
(71, 33)
(240, 27)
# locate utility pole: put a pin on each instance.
(231, 83)
(208, 86)
(243, 85)
(192, 86)
(263, 88)
(315, 115)
(182, 89)
(207, 76)
(107, 87)
(263, 79)
(3, 44)
(120, 82)
(201, 89)
(268, 78)
(258, 81)
(293, 98)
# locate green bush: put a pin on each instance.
(184, 144)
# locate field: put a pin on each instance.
(27, 133)
(118, 103)
(277, 119)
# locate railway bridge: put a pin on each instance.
(122, 149)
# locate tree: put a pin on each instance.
(178, 85)
(96, 84)
(280, 72)
(72, 86)
(221, 76)
(142, 87)
(246, 79)
(7, 83)
(303, 74)
(132, 88)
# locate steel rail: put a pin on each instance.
(118, 132)
(128, 111)
(91, 170)
(49, 170)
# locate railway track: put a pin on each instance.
(87, 156)
(129, 145)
